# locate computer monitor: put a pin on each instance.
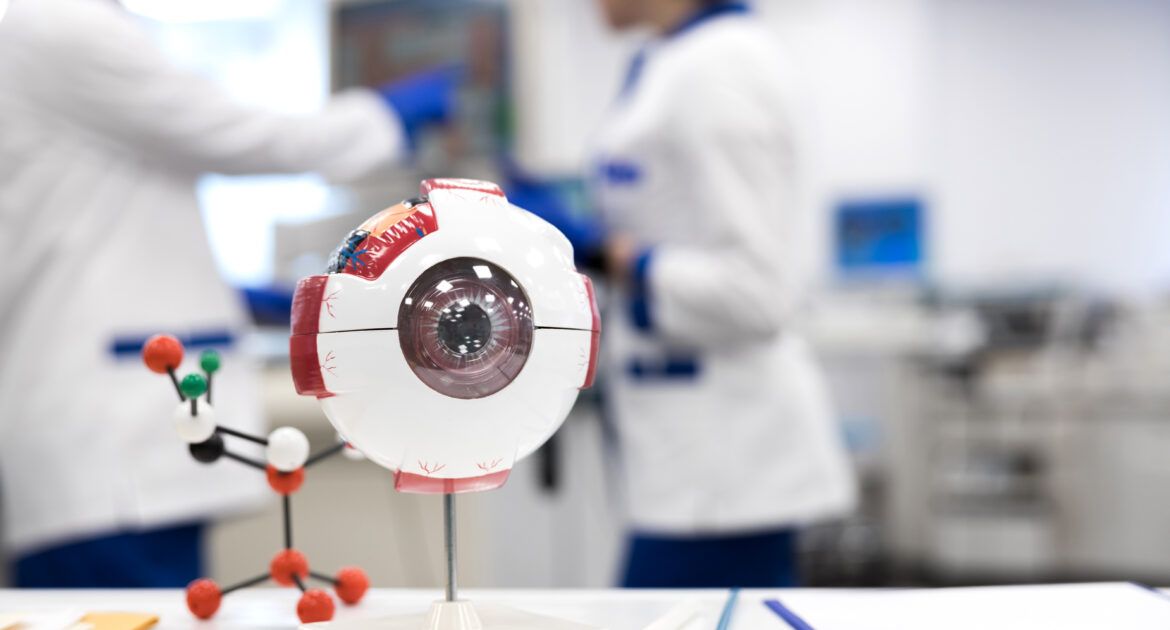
(879, 237)
(381, 41)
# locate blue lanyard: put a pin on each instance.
(696, 19)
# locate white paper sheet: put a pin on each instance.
(1067, 607)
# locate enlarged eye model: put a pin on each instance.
(466, 327)
(448, 338)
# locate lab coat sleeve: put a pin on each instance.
(114, 81)
(735, 151)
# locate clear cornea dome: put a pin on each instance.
(466, 327)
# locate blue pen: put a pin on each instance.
(787, 615)
(728, 610)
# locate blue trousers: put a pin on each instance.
(756, 560)
(169, 557)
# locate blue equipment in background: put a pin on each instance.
(879, 237)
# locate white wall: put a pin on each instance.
(1050, 133)
(567, 69)
(863, 63)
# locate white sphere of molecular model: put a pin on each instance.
(349, 452)
(197, 427)
(287, 450)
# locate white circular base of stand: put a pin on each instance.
(458, 615)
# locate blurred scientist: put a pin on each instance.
(101, 142)
(728, 442)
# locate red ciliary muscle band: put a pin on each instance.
(302, 344)
(595, 341)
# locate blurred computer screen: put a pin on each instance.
(379, 42)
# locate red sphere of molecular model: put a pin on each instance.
(286, 457)
(285, 483)
(287, 566)
(203, 598)
(352, 584)
(315, 605)
(162, 353)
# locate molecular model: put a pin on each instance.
(287, 455)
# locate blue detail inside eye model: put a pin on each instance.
(348, 253)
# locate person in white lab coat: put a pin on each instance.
(727, 439)
(101, 142)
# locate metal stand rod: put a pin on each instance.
(449, 544)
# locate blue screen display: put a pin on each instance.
(879, 235)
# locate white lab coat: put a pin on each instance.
(101, 142)
(722, 414)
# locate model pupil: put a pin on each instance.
(465, 329)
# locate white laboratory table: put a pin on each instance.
(1068, 607)
(276, 607)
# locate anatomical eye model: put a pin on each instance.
(448, 339)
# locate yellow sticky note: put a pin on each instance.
(119, 620)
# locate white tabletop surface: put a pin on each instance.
(1083, 606)
(276, 608)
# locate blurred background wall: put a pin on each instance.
(999, 375)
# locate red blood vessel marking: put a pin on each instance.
(327, 364)
(328, 302)
(487, 467)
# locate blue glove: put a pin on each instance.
(423, 99)
(544, 199)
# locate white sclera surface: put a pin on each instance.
(382, 408)
(399, 422)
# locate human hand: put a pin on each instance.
(424, 99)
(619, 253)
